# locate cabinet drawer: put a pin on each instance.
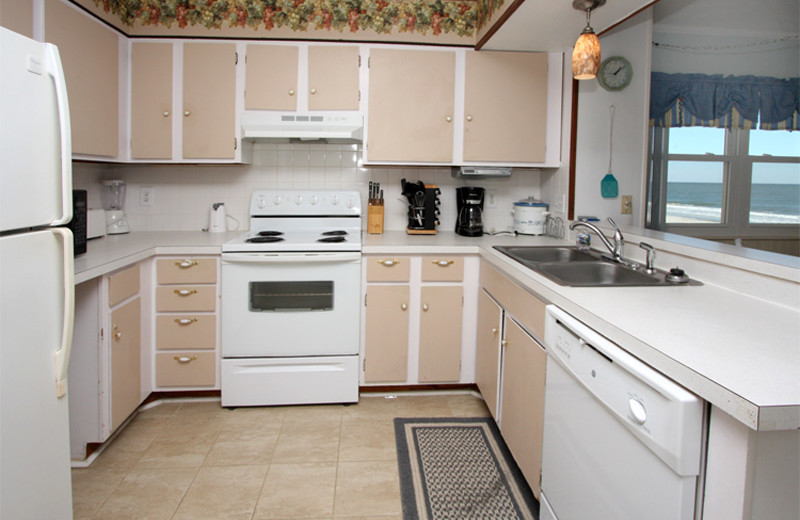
(185, 369)
(186, 298)
(186, 332)
(387, 269)
(123, 285)
(524, 306)
(186, 270)
(442, 269)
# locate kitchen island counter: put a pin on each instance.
(728, 340)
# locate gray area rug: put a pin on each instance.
(459, 469)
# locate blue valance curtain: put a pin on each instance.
(724, 101)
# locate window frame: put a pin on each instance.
(737, 186)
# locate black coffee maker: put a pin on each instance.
(469, 202)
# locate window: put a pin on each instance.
(724, 183)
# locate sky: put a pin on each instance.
(696, 140)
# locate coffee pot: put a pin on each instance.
(469, 202)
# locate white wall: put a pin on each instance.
(183, 194)
(629, 162)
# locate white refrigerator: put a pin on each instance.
(36, 281)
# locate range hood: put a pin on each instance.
(261, 126)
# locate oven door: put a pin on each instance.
(290, 304)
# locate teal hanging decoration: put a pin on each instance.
(609, 187)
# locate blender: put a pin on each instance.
(113, 201)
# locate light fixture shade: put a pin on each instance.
(586, 56)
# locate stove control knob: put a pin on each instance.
(298, 200)
(314, 200)
(277, 200)
(334, 199)
(349, 203)
(261, 203)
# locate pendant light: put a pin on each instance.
(586, 54)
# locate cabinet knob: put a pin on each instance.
(494, 332)
(186, 264)
(291, 92)
(187, 113)
(313, 91)
(448, 119)
(185, 359)
(425, 307)
(185, 321)
(504, 343)
(185, 292)
(403, 306)
(443, 263)
(117, 333)
(469, 118)
(389, 263)
(166, 113)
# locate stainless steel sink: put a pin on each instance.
(568, 266)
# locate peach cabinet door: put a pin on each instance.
(505, 106)
(332, 77)
(209, 100)
(90, 57)
(521, 417)
(411, 105)
(271, 78)
(440, 334)
(386, 344)
(125, 349)
(151, 100)
(487, 355)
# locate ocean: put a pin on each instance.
(700, 202)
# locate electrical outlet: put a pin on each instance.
(491, 198)
(146, 196)
(627, 205)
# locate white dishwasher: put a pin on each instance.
(621, 441)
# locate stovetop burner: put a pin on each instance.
(337, 238)
(269, 233)
(264, 239)
(335, 233)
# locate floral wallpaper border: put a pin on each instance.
(426, 17)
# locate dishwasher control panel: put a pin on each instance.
(657, 410)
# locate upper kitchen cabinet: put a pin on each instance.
(302, 77)
(505, 107)
(151, 100)
(209, 101)
(90, 57)
(411, 106)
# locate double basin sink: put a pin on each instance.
(571, 267)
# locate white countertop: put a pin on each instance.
(739, 352)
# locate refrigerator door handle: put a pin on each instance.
(56, 71)
(61, 356)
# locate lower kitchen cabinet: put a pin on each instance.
(413, 319)
(510, 367)
(125, 347)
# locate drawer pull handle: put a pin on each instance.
(425, 307)
(443, 263)
(185, 359)
(185, 292)
(388, 263)
(186, 264)
(185, 321)
(403, 306)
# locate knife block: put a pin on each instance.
(375, 220)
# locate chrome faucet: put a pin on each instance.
(619, 241)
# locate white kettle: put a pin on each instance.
(217, 218)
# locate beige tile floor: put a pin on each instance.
(195, 460)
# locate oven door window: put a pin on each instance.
(291, 296)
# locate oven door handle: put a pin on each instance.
(286, 258)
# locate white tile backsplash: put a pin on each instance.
(183, 194)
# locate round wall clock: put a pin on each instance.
(615, 73)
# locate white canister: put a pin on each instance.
(529, 216)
